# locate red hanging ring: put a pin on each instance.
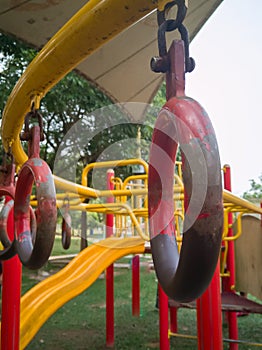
(183, 121)
(4, 214)
(7, 188)
(185, 278)
(66, 226)
(35, 254)
(9, 247)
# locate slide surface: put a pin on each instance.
(39, 303)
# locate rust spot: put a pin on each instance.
(31, 21)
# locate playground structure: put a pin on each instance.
(27, 96)
(91, 262)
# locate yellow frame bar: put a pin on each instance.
(228, 197)
(114, 208)
(111, 164)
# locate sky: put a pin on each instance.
(227, 82)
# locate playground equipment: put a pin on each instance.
(199, 270)
(229, 301)
(248, 273)
(86, 266)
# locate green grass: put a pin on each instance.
(80, 324)
(73, 249)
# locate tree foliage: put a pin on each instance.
(254, 194)
(71, 100)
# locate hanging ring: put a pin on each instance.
(34, 253)
(9, 247)
(4, 214)
(66, 226)
(185, 277)
(7, 188)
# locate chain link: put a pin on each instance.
(35, 115)
(160, 64)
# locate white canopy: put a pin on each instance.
(120, 67)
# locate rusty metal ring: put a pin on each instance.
(8, 190)
(34, 254)
(184, 277)
(66, 230)
(9, 247)
(4, 214)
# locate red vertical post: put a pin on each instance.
(209, 316)
(136, 286)
(173, 319)
(11, 291)
(110, 271)
(163, 319)
(230, 281)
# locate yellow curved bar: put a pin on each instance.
(95, 24)
(111, 164)
(134, 177)
(239, 230)
(179, 181)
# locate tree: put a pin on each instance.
(254, 194)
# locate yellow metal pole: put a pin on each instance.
(230, 198)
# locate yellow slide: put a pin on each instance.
(39, 303)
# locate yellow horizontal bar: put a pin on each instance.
(238, 204)
(91, 27)
(115, 208)
(69, 186)
(88, 192)
(231, 198)
(242, 204)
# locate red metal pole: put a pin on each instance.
(163, 319)
(173, 319)
(11, 291)
(110, 271)
(230, 281)
(209, 317)
(136, 286)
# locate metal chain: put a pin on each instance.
(160, 64)
(35, 115)
(181, 14)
